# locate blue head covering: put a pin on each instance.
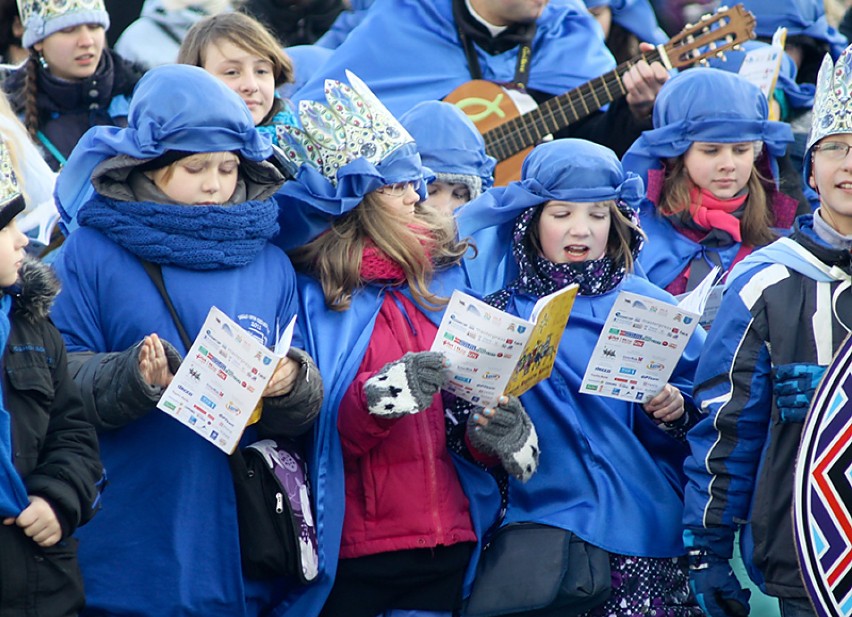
(344, 151)
(174, 107)
(800, 17)
(799, 96)
(635, 16)
(450, 145)
(705, 104)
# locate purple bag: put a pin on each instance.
(277, 528)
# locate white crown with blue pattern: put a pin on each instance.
(355, 124)
(832, 113)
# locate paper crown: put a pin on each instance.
(354, 124)
(41, 18)
(832, 113)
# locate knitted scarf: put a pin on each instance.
(538, 276)
(13, 494)
(376, 266)
(191, 237)
(709, 215)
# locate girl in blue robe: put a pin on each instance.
(168, 542)
(710, 177)
(610, 471)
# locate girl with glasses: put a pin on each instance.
(378, 270)
(710, 177)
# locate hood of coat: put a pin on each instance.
(35, 291)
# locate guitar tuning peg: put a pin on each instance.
(688, 27)
(721, 56)
(722, 9)
(737, 47)
(703, 62)
(706, 17)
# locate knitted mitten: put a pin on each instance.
(509, 435)
(405, 386)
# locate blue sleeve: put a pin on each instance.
(733, 387)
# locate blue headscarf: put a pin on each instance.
(174, 107)
(13, 494)
(799, 96)
(562, 170)
(800, 17)
(705, 104)
(450, 145)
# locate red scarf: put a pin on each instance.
(377, 266)
(710, 212)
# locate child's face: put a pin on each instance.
(722, 169)
(12, 244)
(401, 197)
(200, 179)
(75, 52)
(571, 232)
(447, 196)
(831, 177)
(248, 75)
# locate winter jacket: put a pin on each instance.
(67, 109)
(155, 37)
(172, 508)
(791, 305)
(56, 453)
(402, 489)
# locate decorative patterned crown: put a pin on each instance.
(832, 112)
(37, 16)
(354, 124)
(9, 187)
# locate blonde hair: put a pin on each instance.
(243, 31)
(619, 241)
(756, 222)
(335, 256)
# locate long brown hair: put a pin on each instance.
(757, 219)
(334, 257)
(31, 94)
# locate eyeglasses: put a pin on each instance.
(398, 189)
(833, 150)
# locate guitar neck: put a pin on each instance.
(556, 113)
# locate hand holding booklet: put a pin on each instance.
(221, 380)
(641, 342)
(492, 352)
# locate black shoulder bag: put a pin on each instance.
(276, 525)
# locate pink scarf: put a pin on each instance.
(710, 212)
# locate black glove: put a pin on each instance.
(405, 386)
(509, 435)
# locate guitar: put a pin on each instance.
(510, 135)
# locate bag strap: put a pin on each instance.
(156, 274)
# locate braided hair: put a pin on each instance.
(30, 93)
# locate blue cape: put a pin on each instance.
(800, 17)
(428, 62)
(687, 109)
(338, 358)
(635, 16)
(13, 494)
(174, 107)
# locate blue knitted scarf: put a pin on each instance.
(13, 495)
(191, 237)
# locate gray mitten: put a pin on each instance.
(509, 435)
(405, 386)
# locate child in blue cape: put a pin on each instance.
(185, 187)
(453, 149)
(785, 312)
(610, 471)
(399, 516)
(709, 174)
(50, 473)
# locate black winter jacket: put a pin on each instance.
(55, 451)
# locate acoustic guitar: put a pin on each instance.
(510, 135)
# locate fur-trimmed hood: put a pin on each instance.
(35, 291)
